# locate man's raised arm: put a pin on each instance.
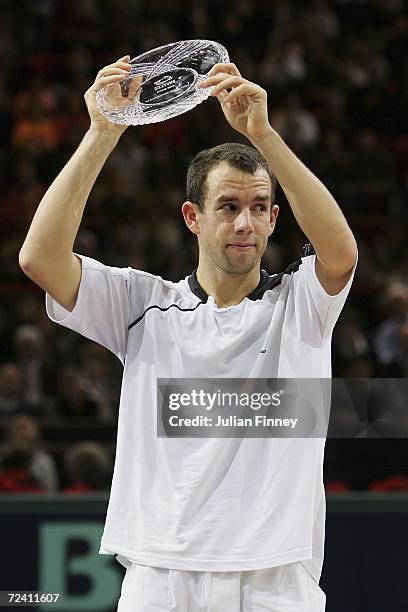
(245, 107)
(46, 255)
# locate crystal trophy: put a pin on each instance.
(162, 83)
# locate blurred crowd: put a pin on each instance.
(337, 82)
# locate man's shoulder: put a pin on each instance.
(283, 279)
(159, 286)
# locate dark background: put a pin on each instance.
(336, 76)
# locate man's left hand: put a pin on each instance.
(243, 103)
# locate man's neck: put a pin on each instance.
(227, 289)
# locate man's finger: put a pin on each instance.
(227, 83)
(110, 71)
(220, 79)
(226, 68)
(119, 64)
(246, 89)
(104, 81)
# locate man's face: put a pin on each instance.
(238, 218)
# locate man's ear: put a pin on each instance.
(274, 216)
(191, 215)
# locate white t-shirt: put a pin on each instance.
(209, 504)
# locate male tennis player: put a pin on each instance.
(213, 524)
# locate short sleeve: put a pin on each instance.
(316, 312)
(103, 307)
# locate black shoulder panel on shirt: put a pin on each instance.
(196, 288)
(274, 281)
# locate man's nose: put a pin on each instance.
(244, 221)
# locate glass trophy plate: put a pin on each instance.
(162, 83)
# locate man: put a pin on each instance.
(207, 523)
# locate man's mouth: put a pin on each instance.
(242, 246)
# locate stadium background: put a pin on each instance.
(337, 81)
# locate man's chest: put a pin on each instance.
(206, 339)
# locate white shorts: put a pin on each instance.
(287, 588)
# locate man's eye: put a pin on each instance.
(260, 207)
(229, 207)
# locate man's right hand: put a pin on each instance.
(111, 75)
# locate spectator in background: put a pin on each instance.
(11, 390)
(36, 372)
(333, 161)
(99, 380)
(374, 169)
(295, 124)
(24, 431)
(351, 347)
(15, 476)
(89, 467)
(129, 167)
(366, 65)
(390, 342)
(35, 128)
(72, 400)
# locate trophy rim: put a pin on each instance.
(178, 42)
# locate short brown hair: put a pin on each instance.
(238, 155)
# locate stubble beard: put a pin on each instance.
(233, 267)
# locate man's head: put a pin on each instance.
(237, 155)
(230, 207)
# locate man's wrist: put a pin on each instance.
(104, 136)
(267, 136)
